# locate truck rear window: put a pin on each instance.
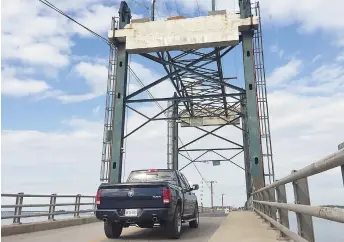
(152, 176)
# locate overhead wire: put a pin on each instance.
(177, 9)
(143, 85)
(50, 5)
(70, 18)
(141, 4)
(199, 9)
(157, 12)
(169, 12)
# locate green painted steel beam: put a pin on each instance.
(245, 8)
(248, 177)
(175, 139)
(119, 104)
(252, 121)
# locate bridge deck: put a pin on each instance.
(238, 226)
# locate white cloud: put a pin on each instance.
(340, 56)
(95, 110)
(284, 73)
(340, 40)
(12, 86)
(37, 174)
(310, 15)
(277, 49)
(95, 76)
(317, 57)
(45, 44)
(327, 79)
(72, 98)
(94, 73)
(98, 18)
(328, 73)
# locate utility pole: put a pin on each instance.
(213, 6)
(172, 135)
(222, 199)
(212, 193)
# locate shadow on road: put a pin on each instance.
(206, 229)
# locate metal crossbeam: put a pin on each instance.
(204, 96)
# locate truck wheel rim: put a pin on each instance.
(179, 222)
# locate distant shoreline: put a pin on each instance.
(332, 206)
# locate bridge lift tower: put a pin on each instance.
(191, 51)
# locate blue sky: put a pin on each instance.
(290, 40)
(54, 81)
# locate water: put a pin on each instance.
(324, 230)
(38, 219)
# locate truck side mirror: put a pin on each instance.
(195, 187)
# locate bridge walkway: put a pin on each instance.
(237, 226)
(245, 227)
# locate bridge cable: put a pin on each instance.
(126, 124)
(141, 4)
(168, 10)
(199, 9)
(177, 9)
(50, 5)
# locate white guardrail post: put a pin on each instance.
(52, 207)
(282, 213)
(18, 209)
(341, 147)
(266, 198)
(304, 221)
(272, 198)
(77, 205)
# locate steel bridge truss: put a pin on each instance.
(203, 96)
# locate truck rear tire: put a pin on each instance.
(194, 223)
(174, 227)
(112, 230)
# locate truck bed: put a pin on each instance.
(142, 195)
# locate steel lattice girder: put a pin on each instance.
(201, 89)
(204, 101)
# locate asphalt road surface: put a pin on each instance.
(94, 233)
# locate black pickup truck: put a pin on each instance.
(149, 198)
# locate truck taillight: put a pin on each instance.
(166, 195)
(98, 197)
(152, 170)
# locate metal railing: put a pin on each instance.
(17, 213)
(51, 212)
(264, 201)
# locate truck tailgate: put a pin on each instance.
(131, 195)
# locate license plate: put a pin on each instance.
(130, 213)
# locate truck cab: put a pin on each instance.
(149, 198)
